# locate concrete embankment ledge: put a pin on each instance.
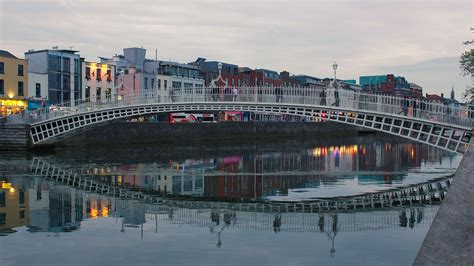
(450, 239)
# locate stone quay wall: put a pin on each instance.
(119, 132)
(450, 239)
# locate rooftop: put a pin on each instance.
(66, 51)
(7, 54)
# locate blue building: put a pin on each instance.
(59, 71)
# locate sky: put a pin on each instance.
(418, 39)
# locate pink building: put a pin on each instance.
(129, 82)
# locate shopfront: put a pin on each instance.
(12, 106)
(35, 105)
(233, 116)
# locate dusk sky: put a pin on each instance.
(418, 39)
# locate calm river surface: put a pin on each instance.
(44, 222)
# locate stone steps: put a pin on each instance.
(14, 137)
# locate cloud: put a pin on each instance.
(437, 75)
(364, 37)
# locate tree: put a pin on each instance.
(466, 63)
(468, 95)
(466, 60)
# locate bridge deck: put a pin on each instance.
(450, 240)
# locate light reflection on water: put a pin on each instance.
(283, 174)
(61, 225)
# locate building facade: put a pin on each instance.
(98, 82)
(13, 84)
(386, 84)
(173, 79)
(132, 77)
(230, 73)
(58, 70)
(309, 81)
(416, 90)
(289, 81)
(14, 209)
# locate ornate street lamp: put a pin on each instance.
(334, 66)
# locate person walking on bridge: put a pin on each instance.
(235, 92)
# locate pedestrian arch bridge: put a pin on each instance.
(447, 127)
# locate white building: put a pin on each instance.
(37, 86)
(174, 79)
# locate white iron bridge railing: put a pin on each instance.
(452, 114)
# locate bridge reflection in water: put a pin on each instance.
(429, 192)
(58, 208)
(270, 173)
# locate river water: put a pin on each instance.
(47, 222)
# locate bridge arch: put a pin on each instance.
(449, 137)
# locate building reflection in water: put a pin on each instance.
(14, 207)
(252, 176)
(44, 207)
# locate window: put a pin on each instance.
(166, 84)
(99, 74)
(54, 63)
(2, 199)
(77, 66)
(158, 83)
(98, 94)
(88, 93)
(66, 83)
(146, 83)
(38, 195)
(21, 199)
(38, 90)
(176, 84)
(238, 82)
(2, 68)
(22, 214)
(55, 96)
(152, 84)
(66, 64)
(88, 73)
(20, 70)
(20, 88)
(2, 88)
(198, 88)
(188, 88)
(109, 75)
(3, 218)
(108, 94)
(77, 89)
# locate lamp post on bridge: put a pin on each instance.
(334, 66)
